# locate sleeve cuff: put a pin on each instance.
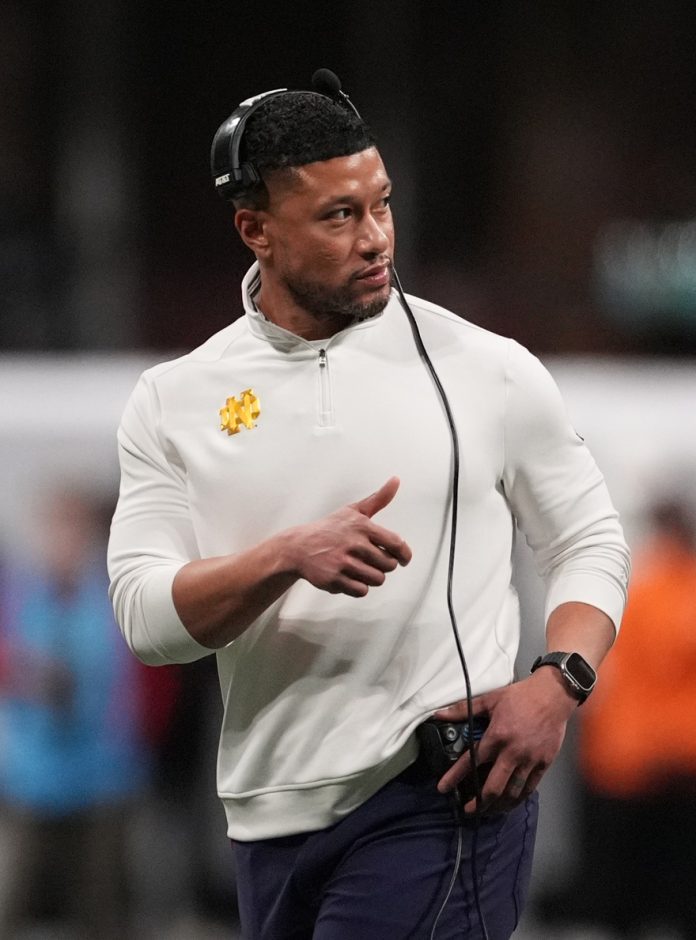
(164, 638)
(602, 593)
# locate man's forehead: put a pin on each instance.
(337, 176)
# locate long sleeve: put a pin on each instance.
(559, 497)
(151, 538)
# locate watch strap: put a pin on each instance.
(549, 659)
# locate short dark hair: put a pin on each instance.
(295, 129)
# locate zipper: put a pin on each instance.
(326, 415)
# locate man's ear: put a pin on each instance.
(251, 225)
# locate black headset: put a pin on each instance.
(233, 176)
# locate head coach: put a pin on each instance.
(324, 494)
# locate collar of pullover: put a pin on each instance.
(277, 336)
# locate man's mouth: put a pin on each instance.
(376, 275)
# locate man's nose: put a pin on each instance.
(374, 236)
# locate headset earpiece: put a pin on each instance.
(230, 176)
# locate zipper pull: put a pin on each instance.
(322, 358)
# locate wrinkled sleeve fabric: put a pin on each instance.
(558, 495)
(151, 537)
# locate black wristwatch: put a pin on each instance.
(576, 671)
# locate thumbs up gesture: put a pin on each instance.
(346, 552)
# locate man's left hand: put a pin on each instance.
(527, 725)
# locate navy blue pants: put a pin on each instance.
(382, 873)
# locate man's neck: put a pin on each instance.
(284, 312)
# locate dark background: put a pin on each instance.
(543, 156)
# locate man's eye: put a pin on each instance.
(340, 214)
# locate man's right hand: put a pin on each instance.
(343, 553)
(346, 552)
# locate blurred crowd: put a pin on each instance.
(104, 815)
(636, 759)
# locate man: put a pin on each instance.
(286, 501)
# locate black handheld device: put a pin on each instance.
(442, 743)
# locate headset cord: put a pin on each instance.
(422, 351)
(453, 880)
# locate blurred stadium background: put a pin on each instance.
(544, 159)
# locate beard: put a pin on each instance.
(324, 303)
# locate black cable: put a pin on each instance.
(453, 881)
(422, 351)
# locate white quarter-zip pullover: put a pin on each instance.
(322, 693)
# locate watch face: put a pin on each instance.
(581, 671)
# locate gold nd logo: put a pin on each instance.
(235, 413)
